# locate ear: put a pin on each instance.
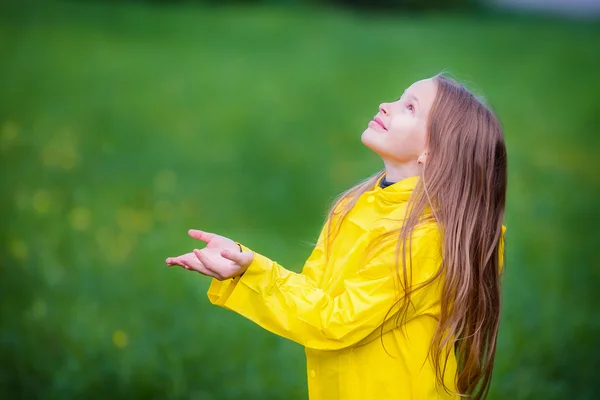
(422, 158)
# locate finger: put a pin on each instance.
(205, 271)
(193, 264)
(201, 235)
(200, 268)
(171, 261)
(202, 259)
(181, 260)
(244, 258)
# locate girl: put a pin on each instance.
(400, 299)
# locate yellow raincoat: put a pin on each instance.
(336, 309)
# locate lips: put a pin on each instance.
(379, 122)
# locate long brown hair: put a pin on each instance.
(463, 182)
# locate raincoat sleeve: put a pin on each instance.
(293, 306)
(312, 270)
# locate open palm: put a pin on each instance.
(214, 241)
(222, 258)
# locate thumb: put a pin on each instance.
(244, 259)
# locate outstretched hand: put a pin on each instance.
(221, 259)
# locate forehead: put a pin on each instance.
(424, 90)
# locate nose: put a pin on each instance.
(384, 108)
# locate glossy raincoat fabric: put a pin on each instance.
(336, 307)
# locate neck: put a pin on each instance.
(396, 171)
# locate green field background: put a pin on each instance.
(122, 125)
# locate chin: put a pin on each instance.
(368, 139)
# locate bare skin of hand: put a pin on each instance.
(220, 259)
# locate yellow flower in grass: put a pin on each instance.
(163, 210)
(120, 339)
(42, 201)
(79, 218)
(125, 242)
(189, 208)
(61, 151)
(131, 220)
(116, 247)
(8, 133)
(18, 249)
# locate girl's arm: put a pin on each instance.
(292, 305)
(312, 270)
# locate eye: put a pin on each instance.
(410, 107)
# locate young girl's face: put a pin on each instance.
(398, 133)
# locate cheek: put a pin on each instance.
(407, 136)
(404, 125)
(402, 130)
(400, 123)
(404, 140)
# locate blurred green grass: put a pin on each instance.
(121, 126)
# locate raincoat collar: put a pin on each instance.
(398, 192)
